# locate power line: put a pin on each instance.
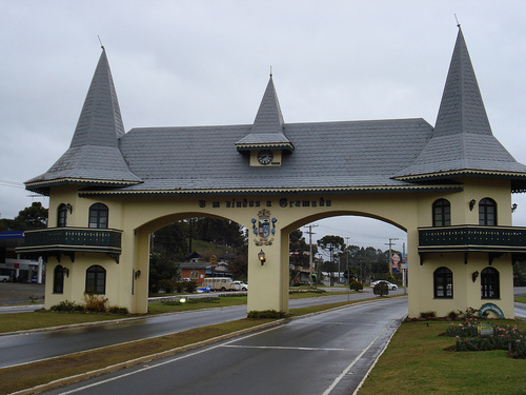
(12, 184)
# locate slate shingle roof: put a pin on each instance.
(326, 155)
(462, 140)
(94, 156)
(267, 130)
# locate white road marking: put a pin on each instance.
(348, 368)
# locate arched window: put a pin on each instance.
(443, 283)
(96, 280)
(441, 213)
(98, 216)
(62, 216)
(489, 284)
(487, 212)
(58, 280)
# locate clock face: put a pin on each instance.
(265, 157)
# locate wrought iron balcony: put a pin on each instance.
(472, 238)
(67, 241)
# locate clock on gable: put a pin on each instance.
(265, 157)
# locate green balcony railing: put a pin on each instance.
(472, 238)
(54, 241)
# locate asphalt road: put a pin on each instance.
(329, 353)
(22, 348)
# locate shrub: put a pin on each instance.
(266, 314)
(453, 315)
(167, 285)
(469, 313)
(467, 329)
(381, 289)
(191, 286)
(95, 303)
(428, 314)
(179, 286)
(208, 299)
(67, 306)
(118, 310)
(356, 285)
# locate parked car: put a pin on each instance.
(242, 286)
(391, 286)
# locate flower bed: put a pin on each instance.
(473, 335)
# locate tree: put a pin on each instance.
(171, 241)
(161, 268)
(298, 248)
(32, 217)
(332, 245)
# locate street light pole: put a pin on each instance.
(310, 253)
(347, 269)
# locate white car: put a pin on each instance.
(241, 284)
(391, 286)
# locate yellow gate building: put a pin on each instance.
(449, 189)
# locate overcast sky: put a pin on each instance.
(207, 62)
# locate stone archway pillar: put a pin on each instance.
(268, 282)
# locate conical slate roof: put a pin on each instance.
(462, 141)
(94, 156)
(267, 130)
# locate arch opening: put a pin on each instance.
(346, 247)
(184, 249)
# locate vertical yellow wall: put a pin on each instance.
(138, 217)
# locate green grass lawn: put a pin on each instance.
(416, 362)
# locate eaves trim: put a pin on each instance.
(274, 191)
(259, 146)
(42, 187)
(447, 174)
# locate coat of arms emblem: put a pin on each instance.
(264, 228)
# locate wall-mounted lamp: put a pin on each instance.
(261, 256)
(474, 276)
(70, 208)
(514, 207)
(472, 204)
(66, 272)
(137, 274)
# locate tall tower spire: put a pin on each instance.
(462, 142)
(462, 109)
(267, 131)
(269, 118)
(94, 156)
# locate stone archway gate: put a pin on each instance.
(111, 189)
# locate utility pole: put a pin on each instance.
(390, 244)
(310, 233)
(347, 269)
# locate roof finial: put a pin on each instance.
(458, 23)
(102, 46)
(270, 71)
